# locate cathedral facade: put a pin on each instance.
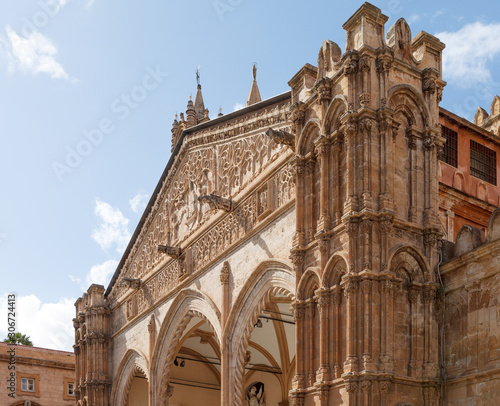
(299, 251)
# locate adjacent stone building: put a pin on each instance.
(43, 377)
(293, 252)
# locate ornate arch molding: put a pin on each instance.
(270, 278)
(412, 261)
(189, 303)
(305, 142)
(410, 102)
(309, 279)
(336, 109)
(335, 268)
(132, 365)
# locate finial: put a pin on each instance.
(220, 111)
(198, 76)
(175, 116)
(254, 71)
(190, 97)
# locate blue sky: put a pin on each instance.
(88, 92)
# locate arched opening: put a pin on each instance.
(195, 373)
(139, 389)
(260, 338)
(270, 354)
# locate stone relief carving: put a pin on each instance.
(227, 231)
(255, 395)
(177, 212)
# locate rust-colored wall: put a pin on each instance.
(465, 199)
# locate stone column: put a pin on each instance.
(299, 238)
(413, 298)
(337, 148)
(311, 228)
(322, 153)
(351, 202)
(224, 281)
(350, 291)
(337, 299)
(299, 315)
(412, 148)
(323, 373)
(366, 128)
(366, 287)
(310, 311)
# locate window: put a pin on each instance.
(483, 162)
(71, 389)
(450, 150)
(28, 385)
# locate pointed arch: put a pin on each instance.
(306, 139)
(271, 277)
(407, 100)
(309, 282)
(133, 363)
(188, 303)
(338, 106)
(335, 268)
(407, 257)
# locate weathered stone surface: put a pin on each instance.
(318, 284)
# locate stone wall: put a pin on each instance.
(472, 317)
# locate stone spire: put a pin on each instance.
(199, 106)
(190, 114)
(254, 96)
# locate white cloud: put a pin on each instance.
(48, 325)
(32, 54)
(101, 274)
(113, 229)
(238, 106)
(413, 18)
(468, 52)
(138, 202)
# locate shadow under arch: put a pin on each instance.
(304, 146)
(188, 303)
(335, 268)
(133, 363)
(309, 282)
(336, 109)
(396, 258)
(271, 277)
(410, 93)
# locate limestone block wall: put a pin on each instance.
(471, 342)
